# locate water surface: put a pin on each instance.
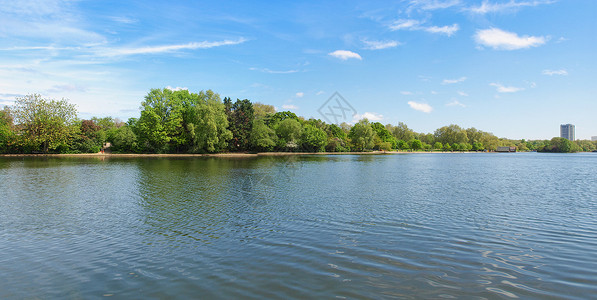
(374, 226)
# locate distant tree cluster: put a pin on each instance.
(185, 122)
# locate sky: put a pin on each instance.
(516, 68)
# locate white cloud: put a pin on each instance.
(506, 89)
(378, 45)
(463, 94)
(406, 93)
(405, 24)
(177, 88)
(433, 93)
(434, 4)
(424, 107)
(488, 7)
(555, 72)
(410, 24)
(266, 70)
(345, 54)
(170, 48)
(452, 81)
(290, 106)
(447, 30)
(371, 116)
(502, 40)
(320, 93)
(455, 103)
(300, 94)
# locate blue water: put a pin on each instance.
(408, 226)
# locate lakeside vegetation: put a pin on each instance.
(185, 122)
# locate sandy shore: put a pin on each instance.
(225, 154)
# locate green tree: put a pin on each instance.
(160, 121)
(402, 132)
(289, 133)
(262, 110)
(263, 138)
(438, 146)
(44, 124)
(384, 135)
(7, 135)
(451, 134)
(240, 119)
(362, 135)
(123, 140)
(313, 139)
(415, 144)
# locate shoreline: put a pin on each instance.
(231, 155)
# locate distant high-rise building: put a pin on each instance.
(594, 138)
(567, 131)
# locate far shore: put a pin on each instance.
(233, 155)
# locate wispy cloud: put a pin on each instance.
(300, 94)
(555, 72)
(406, 93)
(371, 116)
(452, 81)
(503, 40)
(290, 106)
(378, 45)
(170, 48)
(434, 4)
(266, 70)
(345, 55)
(423, 107)
(488, 7)
(405, 24)
(447, 30)
(411, 24)
(456, 103)
(320, 93)
(506, 89)
(463, 94)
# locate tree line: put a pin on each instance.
(185, 122)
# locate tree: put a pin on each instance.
(415, 144)
(240, 119)
(402, 132)
(123, 140)
(385, 136)
(313, 139)
(7, 135)
(44, 124)
(438, 146)
(561, 145)
(263, 138)
(289, 133)
(450, 134)
(362, 135)
(160, 120)
(262, 110)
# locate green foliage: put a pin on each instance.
(438, 146)
(415, 144)
(262, 110)
(289, 133)
(313, 139)
(384, 135)
(451, 134)
(7, 134)
(44, 124)
(272, 120)
(560, 145)
(240, 118)
(401, 132)
(123, 140)
(362, 136)
(263, 138)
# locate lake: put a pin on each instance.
(412, 226)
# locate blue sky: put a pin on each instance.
(517, 68)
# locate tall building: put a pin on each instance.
(567, 131)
